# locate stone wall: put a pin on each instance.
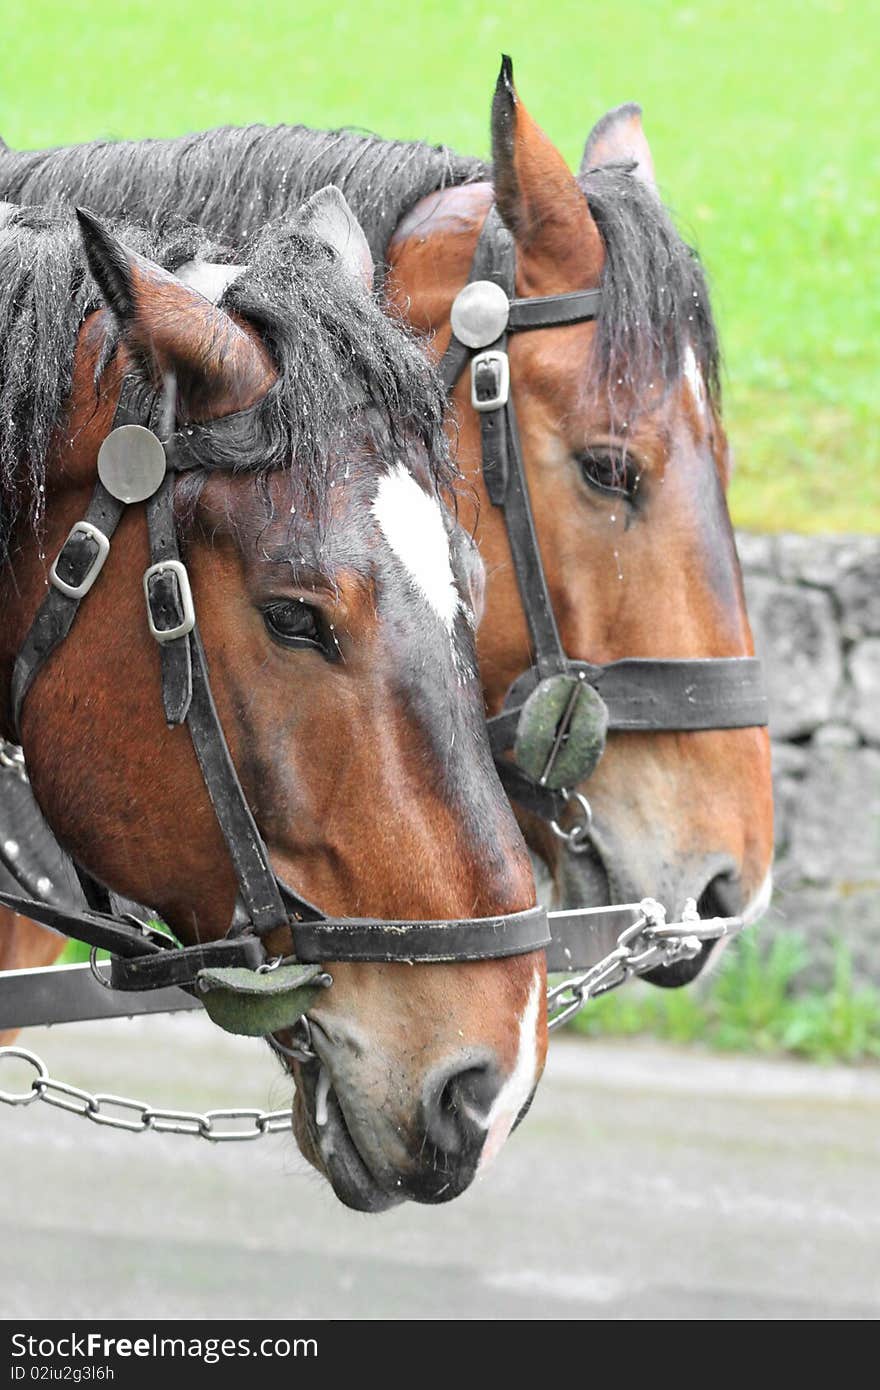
(814, 604)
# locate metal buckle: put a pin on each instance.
(81, 528)
(498, 361)
(163, 635)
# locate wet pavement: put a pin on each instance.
(646, 1183)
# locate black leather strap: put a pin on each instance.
(504, 472)
(477, 938)
(56, 614)
(58, 610)
(108, 933)
(647, 695)
(175, 655)
(258, 885)
(180, 967)
(554, 310)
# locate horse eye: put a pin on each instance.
(294, 624)
(613, 473)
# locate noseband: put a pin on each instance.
(135, 466)
(557, 714)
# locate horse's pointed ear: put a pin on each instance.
(329, 217)
(538, 198)
(619, 138)
(170, 327)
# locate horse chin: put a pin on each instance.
(330, 1148)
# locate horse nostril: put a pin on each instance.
(722, 897)
(457, 1102)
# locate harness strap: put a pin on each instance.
(259, 887)
(647, 695)
(503, 463)
(553, 310)
(165, 603)
(78, 564)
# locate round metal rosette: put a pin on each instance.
(131, 463)
(561, 701)
(479, 313)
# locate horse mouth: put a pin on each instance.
(325, 1139)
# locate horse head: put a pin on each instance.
(334, 592)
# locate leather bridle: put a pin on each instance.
(557, 713)
(135, 466)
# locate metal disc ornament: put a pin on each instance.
(479, 313)
(131, 463)
(561, 732)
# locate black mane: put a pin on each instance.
(335, 351)
(232, 180)
(655, 301)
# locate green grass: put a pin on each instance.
(762, 118)
(751, 1006)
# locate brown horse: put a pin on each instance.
(625, 454)
(627, 465)
(335, 601)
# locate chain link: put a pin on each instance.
(228, 1126)
(646, 944)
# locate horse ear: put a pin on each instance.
(537, 196)
(328, 216)
(170, 327)
(619, 138)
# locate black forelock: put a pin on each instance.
(655, 301)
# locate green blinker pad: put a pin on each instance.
(255, 1003)
(539, 724)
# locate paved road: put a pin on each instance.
(646, 1183)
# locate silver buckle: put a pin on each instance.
(499, 360)
(81, 528)
(186, 601)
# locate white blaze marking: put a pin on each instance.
(208, 278)
(518, 1086)
(412, 524)
(694, 377)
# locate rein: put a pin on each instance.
(240, 986)
(557, 714)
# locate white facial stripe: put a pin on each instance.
(519, 1085)
(412, 524)
(208, 278)
(694, 377)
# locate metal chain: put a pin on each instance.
(646, 944)
(118, 1112)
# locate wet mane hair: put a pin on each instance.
(343, 365)
(655, 301)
